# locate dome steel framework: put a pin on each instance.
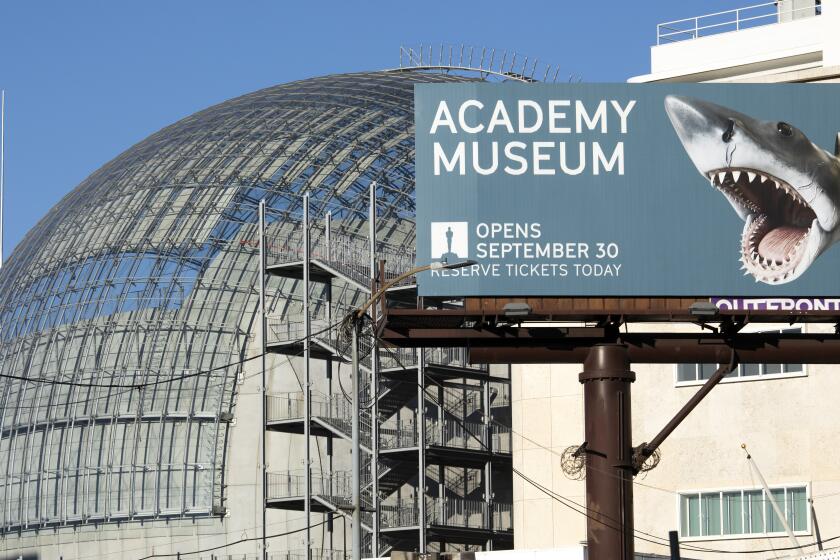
(125, 312)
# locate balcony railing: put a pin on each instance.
(449, 512)
(735, 20)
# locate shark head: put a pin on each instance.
(784, 187)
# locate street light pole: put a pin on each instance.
(353, 321)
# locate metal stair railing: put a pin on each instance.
(458, 512)
(502, 516)
(501, 438)
(347, 254)
(316, 554)
(338, 412)
(453, 357)
(402, 514)
(335, 488)
(448, 512)
(333, 410)
(290, 405)
(456, 434)
(403, 436)
(452, 433)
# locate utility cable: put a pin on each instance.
(202, 551)
(160, 381)
(584, 510)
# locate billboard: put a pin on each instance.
(683, 190)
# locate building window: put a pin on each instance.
(742, 512)
(691, 374)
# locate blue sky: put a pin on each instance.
(86, 79)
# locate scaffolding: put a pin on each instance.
(423, 411)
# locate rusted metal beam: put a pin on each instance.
(669, 348)
(648, 449)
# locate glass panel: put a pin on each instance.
(774, 524)
(754, 515)
(733, 514)
(711, 514)
(797, 509)
(690, 515)
(707, 370)
(686, 372)
(771, 369)
(749, 369)
(793, 368)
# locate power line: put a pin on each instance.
(137, 386)
(584, 511)
(202, 551)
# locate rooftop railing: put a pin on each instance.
(756, 15)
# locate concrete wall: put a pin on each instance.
(789, 424)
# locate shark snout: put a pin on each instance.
(691, 117)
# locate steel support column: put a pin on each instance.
(488, 466)
(374, 379)
(606, 380)
(307, 385)
(263, 378)
(356, 451)
(421, 446)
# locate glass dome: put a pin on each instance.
(126, 312)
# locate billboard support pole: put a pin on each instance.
(606, 380)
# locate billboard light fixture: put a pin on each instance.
(703, 309)
(516, 310)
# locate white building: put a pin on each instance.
(787, 415)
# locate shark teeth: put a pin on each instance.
(730, 178)
(769, 271)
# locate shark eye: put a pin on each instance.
(730, 131)
(784, 129)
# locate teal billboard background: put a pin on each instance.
(658, 229)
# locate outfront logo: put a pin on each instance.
(450, 241)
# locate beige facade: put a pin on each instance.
(789, 421)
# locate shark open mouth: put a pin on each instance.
(778, 221)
